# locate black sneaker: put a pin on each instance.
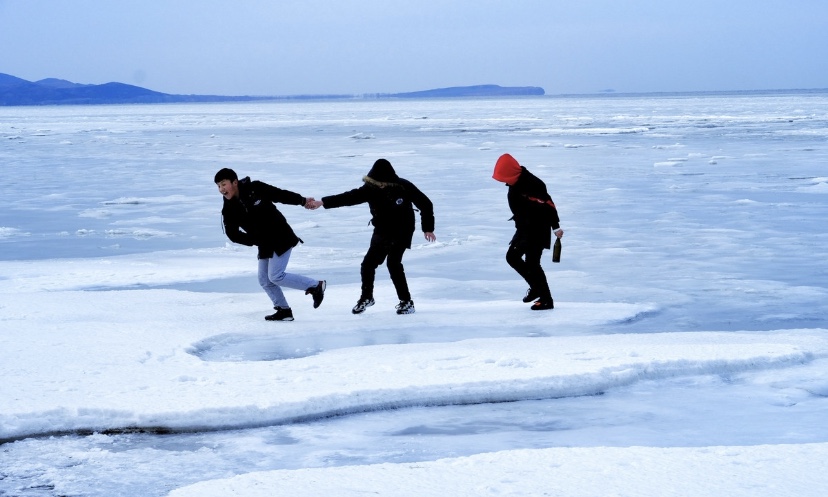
(542, 305)
(530, 296)
(317, 292)
(281, 314)
(405, 307)
(362, 304)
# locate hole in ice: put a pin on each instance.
(238, 347)
(230, 347)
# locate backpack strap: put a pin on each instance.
(547, 202)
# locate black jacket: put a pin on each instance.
(252, 219)
(533, 211)
(392, 207)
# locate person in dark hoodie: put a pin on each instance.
(535, 218)
(392, 200)
(251, 218)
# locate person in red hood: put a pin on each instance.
(536, 218)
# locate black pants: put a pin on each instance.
(380, 249)
(524, 257)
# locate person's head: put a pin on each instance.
(381, 174)
(227, 182)
(507, 170)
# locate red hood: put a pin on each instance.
(507, 170)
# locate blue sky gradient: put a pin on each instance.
(261, 47)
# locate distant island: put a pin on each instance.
(472, 91)
(51, 91)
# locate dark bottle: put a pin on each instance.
(556, 251)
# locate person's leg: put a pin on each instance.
(397, 271)
(373, 258)
(278, 277)
(529, 269)
(514, 257)
(536, 276)
(271, 289)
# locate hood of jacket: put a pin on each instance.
(507, 170)
(381, 174)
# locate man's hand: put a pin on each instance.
(430, 236)
(312, 204)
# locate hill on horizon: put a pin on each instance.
(53, 91)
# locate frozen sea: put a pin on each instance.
(689, 335)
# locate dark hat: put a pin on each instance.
(382, 172)
(226, 173)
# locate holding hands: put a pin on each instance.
(312, 204)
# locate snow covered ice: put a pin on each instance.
(687, 353)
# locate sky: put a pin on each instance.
(292, 47)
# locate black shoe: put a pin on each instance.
(362, 304)
(317, 292)
(530, 296)
(405, 307)
(281, 314)
(542, 305)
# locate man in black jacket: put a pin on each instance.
(535, 218)
(390, 199)
(251, 218)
